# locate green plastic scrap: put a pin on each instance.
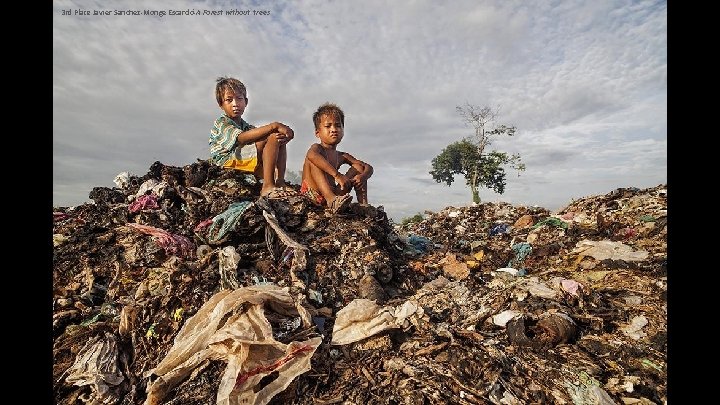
(648, 363)
(91, 320)
(315, 296)
(151, 332)
(586, 379)
(551, 221)
(588, 391)
(647, 218)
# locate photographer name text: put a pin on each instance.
(163, 13)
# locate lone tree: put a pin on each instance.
(468, 157)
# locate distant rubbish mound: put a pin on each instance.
(183, 286)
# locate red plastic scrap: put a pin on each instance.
(144, 202)
(203, 225)
(241, 378)
(173, 244)
(627, 233)
(60, 216)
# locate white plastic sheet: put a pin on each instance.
(96, 365)
(607, 249)
(363, 318)
(232, 326)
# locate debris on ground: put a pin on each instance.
(183, 286)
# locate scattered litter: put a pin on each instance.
(489, 303)
(634, 329)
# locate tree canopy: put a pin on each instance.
(468, 158)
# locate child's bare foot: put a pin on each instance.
(339, 203)
(266, 190)
(285, 186)
(278, 193)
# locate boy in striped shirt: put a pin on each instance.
(235, 144)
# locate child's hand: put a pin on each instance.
(343, 181)
(285, 134)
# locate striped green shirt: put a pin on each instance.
(223, 138)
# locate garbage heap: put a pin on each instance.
(184, 287)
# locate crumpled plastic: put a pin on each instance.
(59, 239)
(634, 329)
(539, 288)
(144, 202)
(245, 340)
(171, 243)
(229, 259)
(417, 245)
(299, 252)
(60, 216)
(556, 222)
(504, 317)
(498, 229)
(203, 225)
(227, 220)
(96, 365)
(588, 391)
(156, 187)
(122, 180)
(606, 249)
(552, 328)
(522, 250)
(362, 318)
(571, 287)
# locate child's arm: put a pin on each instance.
(318, 159)
(364, 169)
(285, 133)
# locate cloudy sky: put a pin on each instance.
(584, 82)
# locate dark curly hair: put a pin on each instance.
(328, 109)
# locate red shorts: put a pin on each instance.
(314, 195)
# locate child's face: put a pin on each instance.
(330, 131)
(233, 104)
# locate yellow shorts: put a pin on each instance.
(245, 159)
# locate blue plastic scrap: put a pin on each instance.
(319, 323)
(227, 220)
(498, 229)
(522, 250)
(420, 243)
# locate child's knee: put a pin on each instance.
(273, 138)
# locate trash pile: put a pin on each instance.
(184, 287)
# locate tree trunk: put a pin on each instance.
(474, 188)
(475, 195)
